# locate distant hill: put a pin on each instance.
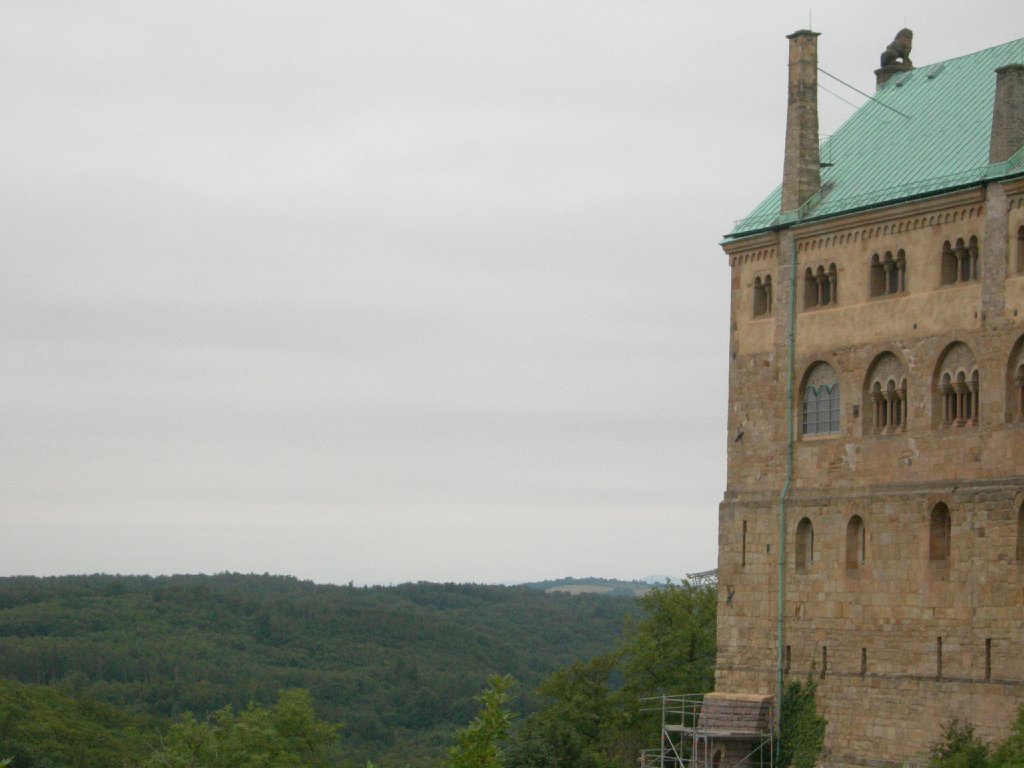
(593, 585)
(399, 666)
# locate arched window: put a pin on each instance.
(939, 533)
(819, 413)
(810, 289)
(804, 545)
(885, 398)
(949, 266)
(762, 296)
(957, 388)
(963, 261)
(855, 543)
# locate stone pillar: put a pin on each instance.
(886, 73)
(801, 172)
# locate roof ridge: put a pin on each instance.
(975, 53)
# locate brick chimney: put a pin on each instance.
(801, 171)
(1007, 114)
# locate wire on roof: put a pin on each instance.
(846, 101)
(868, 95)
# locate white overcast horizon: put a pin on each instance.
(390, 291)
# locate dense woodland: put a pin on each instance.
(106, 670)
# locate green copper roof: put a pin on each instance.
(926, 131)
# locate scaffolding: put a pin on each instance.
(703, 578)
(712, 731)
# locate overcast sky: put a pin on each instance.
(389, 291)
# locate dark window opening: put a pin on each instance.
(743, 550)
(855, 543)
(939, 533)
(804, 545)
(762, 296)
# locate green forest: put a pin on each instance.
(188, 670)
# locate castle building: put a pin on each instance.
(871, 533)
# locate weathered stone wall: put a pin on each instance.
(873, 627)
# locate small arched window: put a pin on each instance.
(855, 543)
(804, 545)
(762, 296)
(949, 265)
(819, 414)
(939, 533)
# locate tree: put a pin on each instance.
(580, 724)
(1010, 753)
(286, 736)
(959, 747)
(671, 649)
(594, 715)
(478, 745)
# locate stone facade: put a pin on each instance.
(904, 533)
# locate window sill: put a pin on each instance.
(821, 437)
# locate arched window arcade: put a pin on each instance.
(821, 286)
(960, 261)
(889, 273)
(885, 396)
(957, 388)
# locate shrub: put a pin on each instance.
(959, 747)
(801, 728)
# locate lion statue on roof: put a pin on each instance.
(899, 49)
